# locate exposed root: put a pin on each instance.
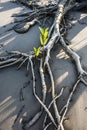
(42, 104)
(10, 62)
(44, 90)
(55, 37)
(83, 81)
(28, 124)
(22, 63)
(46, 127)
(60, 94)
(57, 115)
(44, 87)
(68, 103)
(74, 55)
(22, 29)
(56, 34)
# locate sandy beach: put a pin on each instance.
(64, 72)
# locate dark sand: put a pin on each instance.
(11, 80)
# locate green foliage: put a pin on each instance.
(43, 40)
(43, 35)
(37, 51)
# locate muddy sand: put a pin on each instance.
(64, 71)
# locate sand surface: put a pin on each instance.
(64, 71)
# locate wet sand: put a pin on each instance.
(64, 71)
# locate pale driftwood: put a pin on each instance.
(68, 102)
(10, 62)
(51, 103)
(57, 115)
(34, 92)
(26, 27)
(44, 91)
(60, 9)
(44, 87)
(46, 127)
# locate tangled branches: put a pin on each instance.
(55, 37)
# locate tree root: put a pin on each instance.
(67, 104)
(60, 94)
(44, 91)
(57, 115)
(55, 37)
(34, 92)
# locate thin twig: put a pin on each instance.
(22, 63)
(34, 91)
(7, 62)
(57, 115)
(46, 127)
(60, 94)
(68, 102)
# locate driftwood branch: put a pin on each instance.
(55, 37)
(60, 94)
(34, 92)
(68, 102)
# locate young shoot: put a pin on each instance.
(43, 35)
(37, 51)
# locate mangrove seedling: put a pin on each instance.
(43, 35)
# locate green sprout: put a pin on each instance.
(43, 35)
(37, 51)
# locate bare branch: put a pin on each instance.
(34, 92)
(60, 94)
(46, 127)
(68, 102)
(10, 62)
(44, 87)
(57, 115)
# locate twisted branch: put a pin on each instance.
(13, 57)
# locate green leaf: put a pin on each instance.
(43, 36)
(41, 40)
(46, 29)
(46, 34)
(41, 30)
(45, 41)
(36, 51)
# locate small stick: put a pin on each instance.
(83, 81)
(61, 92)
(68, 102)
(22, 63)
(21, 94)
(46, 127)
(10, 64)
(20, 111)
(32, 121)
(57, 115)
